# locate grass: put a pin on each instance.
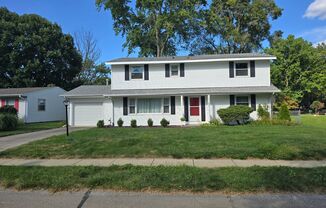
(306, 141)
(26, 128)
(182, 178)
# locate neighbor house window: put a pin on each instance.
(174, 70)
(41, 104)
(242, 100)
(166, 105)
(241, 69)
(149, 105)
(132, 106)
(137, 72)
(10, 102)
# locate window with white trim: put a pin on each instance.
(166, 105)
(137, 72)
(242, 100)
(149, 105)
(132, 106)
(41, 105)
(174, 69)
(241, 69)
(10, 102)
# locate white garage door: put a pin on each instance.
(88, 114)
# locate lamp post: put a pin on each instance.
(66, 103)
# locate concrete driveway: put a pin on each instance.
(100, 199)
(19, 139)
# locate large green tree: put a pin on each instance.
(300, 69)
(234, 26)
(35, 52)
(154, 27)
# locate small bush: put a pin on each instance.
(164, 122)
(235, 114)
(284, 113)
(8, 122)
(213, 123)
(262, 112)
(150, 122)
(133, 123)
(120, 122)
(8, 109)
(317, 106)
(100, 124)
(182, 119)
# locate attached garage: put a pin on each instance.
(87, 114)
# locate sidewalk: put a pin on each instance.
(205, 163)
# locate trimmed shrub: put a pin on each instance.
(262, 112)
(100, 124)
(8, 122)
(215, 122)
(235, 114)
(317, 106)
(284, 113)
(133, 123)
(150, 122)
(8, 109)
(120, 122)
(182, 119)
(164, 122)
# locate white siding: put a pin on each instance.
(210, 74)
(54, 107)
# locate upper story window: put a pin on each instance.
(137, 72)
(174, 69)
(41, 105)
(241, 69)
(242, 100)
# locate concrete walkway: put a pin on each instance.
(19, 139)
(207, 163)
(99, 199)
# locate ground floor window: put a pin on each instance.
(132, 106)
(10, 102)
(149, 105)
(41, 104)
(242, 100)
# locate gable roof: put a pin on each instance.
(89, 90)
(103, 90)
(189, 59)
(20, 91)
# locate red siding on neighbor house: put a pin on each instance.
(3, 102)
(16, 104)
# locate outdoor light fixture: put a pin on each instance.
(66, 103)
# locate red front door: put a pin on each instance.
(194, 106)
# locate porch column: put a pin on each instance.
(182, 105)
(209, 106)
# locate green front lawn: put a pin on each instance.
(137, 178)
(26, 128)
(305, 141)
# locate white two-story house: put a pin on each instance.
(189, 87)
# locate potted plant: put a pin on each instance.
(183, 121)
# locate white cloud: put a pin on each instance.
(315, 35)
(320, 42)
(316, 9)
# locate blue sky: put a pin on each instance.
(303, 18)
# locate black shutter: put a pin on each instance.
(252, 69)
(126, 72)
(182, 70)
(146, 72)
(125, 106)
(173, 105)
(231, 99)
(185, 102)
(167, 70)
(253, 101)
(231, 69)
(203, 113)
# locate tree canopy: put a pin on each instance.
(156, 28)
(35, 52)
(161, 27)
(300, 69)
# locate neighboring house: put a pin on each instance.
(35, 104)
(193, 87)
